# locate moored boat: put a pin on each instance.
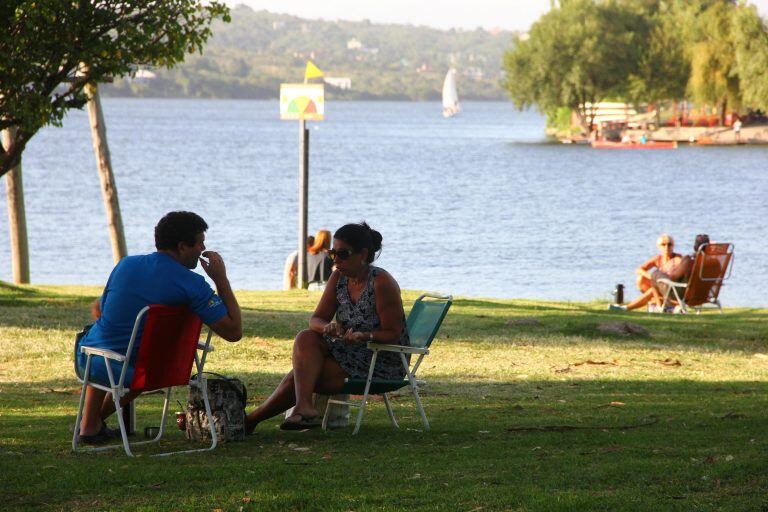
(651, 144)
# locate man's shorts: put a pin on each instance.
(98, 370)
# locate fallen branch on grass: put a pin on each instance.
(564, 428)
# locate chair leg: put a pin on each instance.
(389, 411)
(420, 408)
(211, 425)
(164, 418)
(76, 434)
(365, 394)
(414, 390)
(361, 412)
(324, 426)
(121, 422)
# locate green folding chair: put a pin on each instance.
(423, 322)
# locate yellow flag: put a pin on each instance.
(312, 71)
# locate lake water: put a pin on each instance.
(477, 205)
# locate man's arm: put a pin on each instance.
(681, 269)
(230, 326)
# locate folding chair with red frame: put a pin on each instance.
(169, 345)
(712, 265)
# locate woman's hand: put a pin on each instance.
(355, 337)
(333, 329)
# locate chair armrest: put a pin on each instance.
(201, 346)
(109, 354)
(669, 282)
(397, 348)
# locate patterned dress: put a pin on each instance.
(362, 316)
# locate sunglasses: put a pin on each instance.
(341, 254)
(664, 244)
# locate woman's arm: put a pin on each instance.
(389, 307)
(645, 269)
(320, 322)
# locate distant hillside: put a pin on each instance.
(252, 55)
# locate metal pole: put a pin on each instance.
(301, 271)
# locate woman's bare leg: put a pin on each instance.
(313, 372)
(281, 399)
(641, 300)
(309, 355)
(643, 283)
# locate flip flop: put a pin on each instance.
(304, 422)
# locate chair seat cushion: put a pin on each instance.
(357, 386)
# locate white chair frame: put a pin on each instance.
(412, 383)
(118, 389)
(410, 373)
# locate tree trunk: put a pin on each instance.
(722, 111)
(17, 221)
(108, 185)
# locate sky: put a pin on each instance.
(506, 14)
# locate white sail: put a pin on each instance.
(450, 97)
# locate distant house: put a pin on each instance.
(278, 25)
(343, 83)
(473, 72)
(143, 76)
(354, 44)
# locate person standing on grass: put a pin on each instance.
(163, 277)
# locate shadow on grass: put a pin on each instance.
(468, 460)
(469, 319)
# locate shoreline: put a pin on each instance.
(407, 295)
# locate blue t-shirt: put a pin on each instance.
(139, 281)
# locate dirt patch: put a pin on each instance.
(623, 329)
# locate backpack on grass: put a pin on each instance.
(227, 397)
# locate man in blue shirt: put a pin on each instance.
(163, 277)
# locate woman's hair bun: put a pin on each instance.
(376, 237)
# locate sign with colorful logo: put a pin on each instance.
(302, 101)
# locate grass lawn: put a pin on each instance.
(671, 421)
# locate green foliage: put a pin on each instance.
(581, 52)
(714, 79)
(50, 50)
(750, 36)
(662, 67)
(713, 51)
(251, 56)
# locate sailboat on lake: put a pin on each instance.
(450, 97)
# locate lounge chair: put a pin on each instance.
(712, 265)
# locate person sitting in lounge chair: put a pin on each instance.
(680, 272)
(658, 266)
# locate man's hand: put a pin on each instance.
(96, 309)
(214, 267)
